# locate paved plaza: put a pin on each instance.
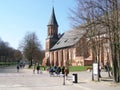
(10, 79)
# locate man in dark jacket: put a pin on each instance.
(38, 69)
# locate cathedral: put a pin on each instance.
(69, 48)
(62, 50)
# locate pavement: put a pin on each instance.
(10, 79)
(85, 81)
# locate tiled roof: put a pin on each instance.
(69, 38)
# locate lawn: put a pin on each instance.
(78, 68)
(7, 63)
(71, 68)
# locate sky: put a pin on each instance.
(17, 17)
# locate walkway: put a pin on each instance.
(26, 80)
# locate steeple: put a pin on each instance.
(53, 20)
(52, 26)
(52, 36)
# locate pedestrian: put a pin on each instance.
(107, 66)
(66, 71)
(18, 68)
(38, 69)
(43, 68)
(34, 66)
(63, 69)
(58, 71)
(50, 69)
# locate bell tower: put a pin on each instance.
(52, 33)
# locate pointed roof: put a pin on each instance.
(53, 20)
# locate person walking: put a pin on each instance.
(34, 67)
(58, 71)
(18, 68)
(66, 71)
(38, 69)
(63, 70)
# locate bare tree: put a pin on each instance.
(18, 55)
(101, 17)
(31, 48)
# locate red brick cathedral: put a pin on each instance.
(69, 48)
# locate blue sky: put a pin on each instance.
(17, 17)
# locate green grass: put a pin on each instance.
(78, 68)
(7, 63)
(71, 68)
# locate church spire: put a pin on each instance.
(53, 20)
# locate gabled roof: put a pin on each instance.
(53, 20)
(69, 38)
